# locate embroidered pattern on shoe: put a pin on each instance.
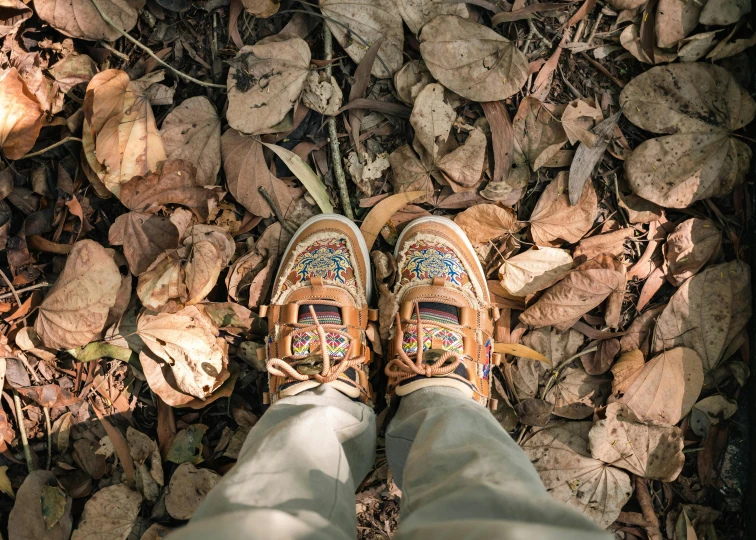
(337, 345)
(327, 258)
(450, 341)
(424, 260)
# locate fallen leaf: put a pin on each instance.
(14, 13)
(409, 173)
(144, 238)
(555, 346)
(463, 167)
(667, 387)
(724, 12)
(516, 349)
(249, 268)
(157, 532)
(578, 119)
(648, 449)
(707, 312)
(472, 60)
(432, 118)
(417, 13)
(112, 511)
(262, 8)
(381, 213)
(186, 446)
(561, 456)
(371, 20)
(709, 411)
(675, 19)
(534, 270)
(640, 329)
(726, 48)
(611, 243)
(311, 181)
(26, 519)
(538, 133)
(73, 70)
(625, 370)
(639, 210)
(553, 221)
(187, 342)
(485, 222)
(89, 458)
(22, 116)
(144, 451)
(80, 19)
(76, 306)
(5, 483)
(502, 140)
(264, 83)
(576, 394)
(48, 395)
(599, 362)
(587, 157)
(410, 80)
(187, 489)
(191, 132)
(630, 38)
(576, 294)
(534, 411)
(695, 47)
(699, 106)
(692, 244)
(322, 94)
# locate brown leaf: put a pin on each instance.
(73, 70)
(76, 306)
(578, 119)
(432, 118)
(187, 489)
(22, 116)
(80, 18)
(692, 244)
(587, 157)
(576, 394)
(699, 105)
(724, 12)
(707, 312)
(471, 59)
(173, 182)
(599, 362)
(649, 449)
(502, 139)
(625, 370)
(255, 269)
(640, 329)
(144, 238)
(484, 222)
(534, 270)
(264, 83)
(534, 412)
(322, 94)
(382, 212)
(262, 8)
(553, 221)
(12, 16)
(191, 132)
(409, 173)
(538, 133)
(561, 456)
(114, 509)
(675, 19)
(667, 387)
(611, 243)
(49, 395)
(26, 519)
(631, 40)
(410, 80)
(416, 13)
(463, 167)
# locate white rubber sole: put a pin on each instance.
(446, 222)
(364, 252)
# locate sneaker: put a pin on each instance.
(319, 313)
(442, 296)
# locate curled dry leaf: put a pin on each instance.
(484, 222)
(111, 512)
(707, 313)
(538, 132)
(80, 18)
(187, 489)
(22, 116)
(410, 80)
(255, 270)
(432, 118)
(77, 305)
(144, 238)
(381, 213)
(699, 106)
(191, 132)
(674, 20)
(630, 38)
(14, 13)
(578, 119)
(264, 83)
(611, 243)
(72, 70)
(371, 20)
(416, 13)
(692, 244)
(571, 475)
(625, 370)
(409, 173)
(463, 167)
(553, 221)
(148, 463)
(497, 69)
(588, 156)
(639, 330)
(26, 520)
(576, 393)
(667, 387)
(648, 449)
(534, 270)
(322, 94)
(48, 395)
(599, 362)
(187, 342)
(709, 411)
(262, 8)
(311, 181)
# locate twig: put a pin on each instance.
(25, 289)
(49, 437)
(276, 212)
(22, 430)
(333, 139)
(149, 51)
(119, 54)
(595, 28)
(647, 507)
(557, 370)
(12, 288)
(59, 143)
(603, 70)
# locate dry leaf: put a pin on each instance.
(640, 329)
(534, 412)
(311, 181)
(262, 8)
(113, 512)
(695, 47)
(432, 118)
(410, 80)
(371, 20)
(472, 60)
(560, 455)
(80, 18)
(502, 140)
(675, 19)
(667, 387)
(322, 94)
(485, 222)
(144, 238)
(187, 489)
(707, 313)
(148, 462)
(580, 291)
(12, 16)
(576, 394)
(409, 173)
(599, 362)
(534, 270)
(709, 411)
(76, 306)
(648, 449)
(22, 116)
(538, 133)
(553, 221)
(463, 167)
(724, 12)
(26, 519)
(726, 48)
(72, 70)
(630, 39)
(554, 346)
(187, 342)
(578, 119)
(255, 269)
(692, 244)
(611, 243)
(264, 83)
(416, 13)
(381, 213)
(699, 106)
(191, 132)
(587, 157)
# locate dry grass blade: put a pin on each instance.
(306, 175)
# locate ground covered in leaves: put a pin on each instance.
(158, 154)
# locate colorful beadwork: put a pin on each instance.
(337, 345)
(450, 341)
(328, 259)
(425, 260)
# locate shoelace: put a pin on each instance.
(403, 367)
(330, 371)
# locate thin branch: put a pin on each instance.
(59, 143)
(149, 51)
(25, 289)
(558, 370)
(333, 139)
(647, 507)
(276, 211)
(22, 430)
(49, 437)
(13, 292)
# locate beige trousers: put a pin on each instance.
(461, 475)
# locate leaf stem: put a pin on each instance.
(276, 211)
(59, 143)
(22, 430)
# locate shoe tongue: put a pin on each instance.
(326, 314)
(434, 335)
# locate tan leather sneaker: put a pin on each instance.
(442, 296)
(319, 311)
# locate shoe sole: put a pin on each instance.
(446, 222)
(364, 252)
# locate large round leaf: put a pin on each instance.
(80, 18)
